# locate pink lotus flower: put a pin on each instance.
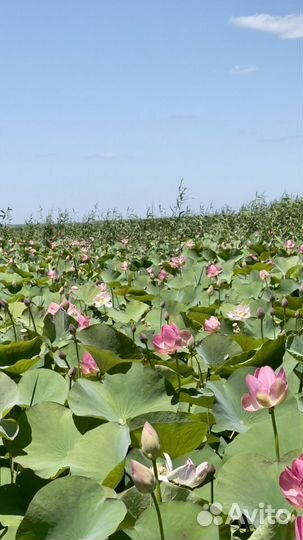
(88, 365)
(291, 483)
(190, 244)
(52, 274)
(212, 325)
(187, 475)
(172, 339)
(125, 266)
(83, 321)
(289, 244)
(85, 258)
(103, 299)
(299, 528)
(143, 477)
(213, 271)
(240, 313)
(266, 389)
(301, 249)
(150, 272)
(163, 275)
(124, 241)
(264, 274)
(177, 262)
(53, 308)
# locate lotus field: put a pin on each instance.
(151, 390)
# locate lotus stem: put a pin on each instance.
(158, 516)
(158, 487)
(274, 425)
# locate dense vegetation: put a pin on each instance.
(151, 376)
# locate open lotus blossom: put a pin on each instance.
(213, 271)
(124, 241)
(124, 266)
(291, 483)
(172, 339)
(187, 475)
(289, 244)
(150, 272)
(88, 365)
(299, 528)
(190, 244)
(103, 299)
(163, 275)
(240, 313)
(212, 325)
(177, 262)
(264, 274)
(53, 308)
(82, 320)
(266, 389)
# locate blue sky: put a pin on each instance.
(113, 102)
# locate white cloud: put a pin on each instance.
(244, 70)
(287, 27)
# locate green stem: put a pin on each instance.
(78, 356)
(212, 496)
(32, 319)
(262, 332)
(178, 374)
(13, 324)
(158, 487)
(274, 425)
(158, 516)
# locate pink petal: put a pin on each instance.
(249, 404)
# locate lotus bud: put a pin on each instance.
(272, 298)
(284, 302)
(150, 442)
(143, 478)
(143, 339)
(298, 314)
(301, 289)
(210, 291)
(272, 312)
(72, 329)
(65, 304)
(61, 290)
(162, 305)
(62, 355)
(72, 373)
(3, 304)
(133, 328)
(27, 302)
(260, 313)
(166, 316)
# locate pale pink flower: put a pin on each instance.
(213, 271)
(163, 275)
(150, 442)
(289, 244)
(240, 313)
(88, 365)
(177, 262)
(124, 241)
(102, 287)
(301, 249)
(143, 477)
(190, 244)
(125, 266)
(264, 274)
(212, 325)
(150, 272)
(292, 485)
(172, 339)
(53, 308)
(103, 299)
(187, 475)
(83, 321)
(85, 258)
(266, 389)
(52, 274)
